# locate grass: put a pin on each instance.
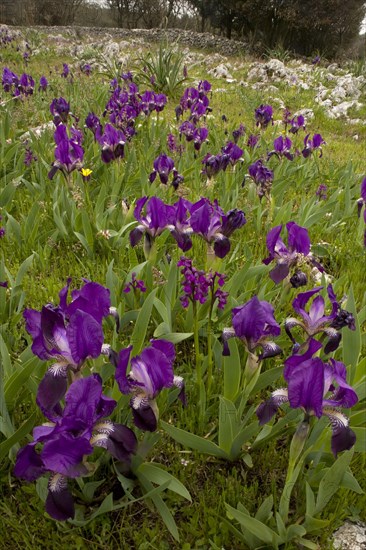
(211, 482)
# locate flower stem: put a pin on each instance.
(209, 348)
(294, 466)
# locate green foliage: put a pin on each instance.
(162, 70)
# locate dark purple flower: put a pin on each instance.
(112, 142)
(163, 165)
(208, 220)
(297, 252)
(93, 123)
(43, 84)
(296, 123)
(65, 70)
(135, 285)
(86, 69)
(9, 80)
(262, 177)
(316, 60)
(315, 321)
(60, 110)
(238, 133)
(252, 141)
(321, 192)
(150, 101)
(233, 151)
(29, 156)
(150, 373)
(158, 217)
(69, 153)
(309, 381)
(70, 435)
(263, 115)
(312, 145)
(198, 286)
(25, 85)
(68, 334)
(254, 324)
(282, 146)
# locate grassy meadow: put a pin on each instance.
(210, 457)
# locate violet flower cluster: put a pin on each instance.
(67, 334)
(195, 101)
(184, 219)
(192, 133)
(229, 156)
(263, 116)
(71, 434)
(198, 286)
(262, 176)
(163, 167)
(69, 153)
(18, 86)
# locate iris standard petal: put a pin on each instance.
(306, 387)
(85, 336)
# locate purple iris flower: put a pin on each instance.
(86, 69)
(321, 192)
(150, 373)
(282, 146)
(309, 381)
(315, 321)
(187, 129)
(65, 70)
(199, 136)
(252, 141)
(43, 84)
(93, 123)
(195, 100)
(135, 285)
(163, 165)
(9, 80)
(112, 142)
(26, 85)
(254, 324)
(263, 115)
(69, 153)
(150, 101)
(298, 250)
(262, 177)
(60, 109)
(158, 217)
(67, 334)
(209, 220)
(297, 123)
(70, 435)
(312, 145)
(29, 156)
(213, 164)
(238, 133)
